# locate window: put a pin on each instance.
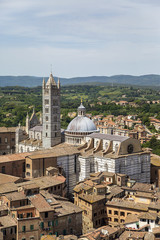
(116, 148)
(115, 212)
(23, 228)
(115, 219)
(56, 224)
(46, 118)
(143, 220)
(110, 211)
(122, 220)
(106, 145)
(42, 225)
(55, 102)
(13, 139)
(46, 101)
(31, 227)
(46, 214)
(55, 110)
(130, 148)
(55, 119)
(69, 220)
(6, 140)
(119, 179)
(46, 134)
(3, 169)
(4, 232)
(95, 214)
(122, 214)
(0, 140)
(28, 173)
(46, 126)
(49, 223)
(28, 165)
(46, 110)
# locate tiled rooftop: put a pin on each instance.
(14, 196)
(108, 137)
(40, 203)
(7, 221)
(116, 202)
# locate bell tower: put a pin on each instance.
(51, 113)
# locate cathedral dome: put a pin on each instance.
(79, 127)
(81, 124)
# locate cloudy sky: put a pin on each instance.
(79, 37)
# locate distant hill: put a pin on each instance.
(31, 81)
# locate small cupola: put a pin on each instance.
(81, 110)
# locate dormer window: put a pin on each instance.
(130, 148)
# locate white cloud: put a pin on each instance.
(80, 37)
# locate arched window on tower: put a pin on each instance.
(96, 166)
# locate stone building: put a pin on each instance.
(44, 132)
(51, 113)
(7, 140)
(92, 194)
(31, 215)
(116, 154)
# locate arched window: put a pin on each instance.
(106, 167)
(21, 149)
(96, 166)
(116, 148)
(97, 143)
(55, 119)
(106, 145)
(142, 166)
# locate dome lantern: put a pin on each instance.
(81, 109)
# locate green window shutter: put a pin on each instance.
(42, 225)
(64, 232)
(56, 222)
(56, 233)
(23, 228)
(31, 227)
(53, 223)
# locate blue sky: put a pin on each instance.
(79, 38)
